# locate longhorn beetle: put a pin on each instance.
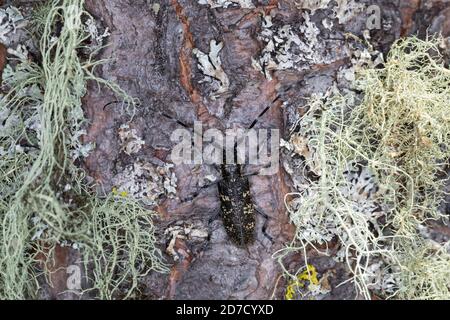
(238, 211)
(236, 203)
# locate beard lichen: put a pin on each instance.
(244, 4)
(378, 164)
(46, 200)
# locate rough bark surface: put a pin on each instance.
(152, 59)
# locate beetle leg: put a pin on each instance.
(257, 172)
(266, 224)
(278, 97)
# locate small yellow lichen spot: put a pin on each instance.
(114, 191)
(306, 278)
(290, 291)
(124, 194)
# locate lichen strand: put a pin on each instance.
(45, 199)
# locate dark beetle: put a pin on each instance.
(236, 203)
